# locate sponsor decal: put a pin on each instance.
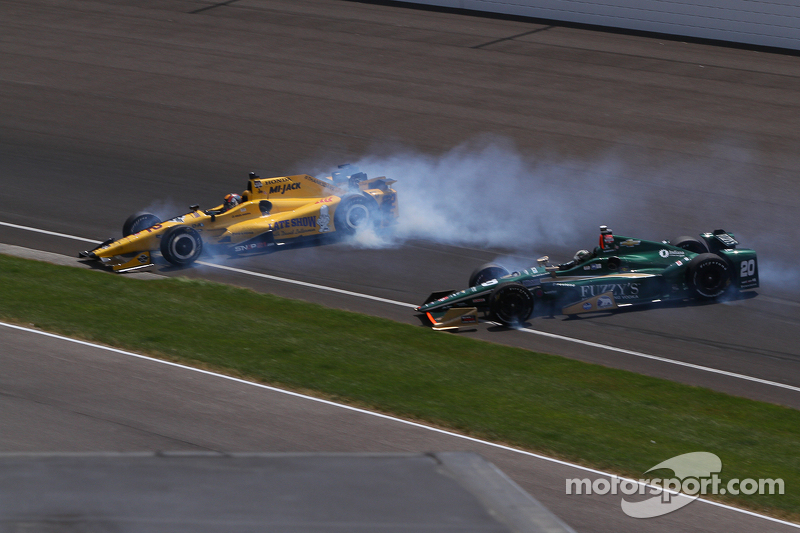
(667, 253)
(748, 283)
(604, 301)
(678, 263)
(630, 243)
(251, 246)
(596, 266)
(283, 188)
(727, 240)
(257, 184)
(624, 291)
(316, 181)
(143, 259)
(479, 300)
(244, 247)
(324, 219)
(468, 319)
(148, 230)
(489, 283)
(302, 222)
(587, 267)
(327, 200)
(586, 306)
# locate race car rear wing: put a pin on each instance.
(719, 239)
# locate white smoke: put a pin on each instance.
(488, 194)
(166, 209)
(485, 193)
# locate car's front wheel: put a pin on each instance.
(181, 245)
(511, 304)
(138, 222)
(487, 272)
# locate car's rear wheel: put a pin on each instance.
(691, 244)
(511, 304)
(354, 213)
(181, 245)
(487, 272)
(138, 222)
(708, 276)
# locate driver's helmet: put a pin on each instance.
(231, 200)
(581, 256)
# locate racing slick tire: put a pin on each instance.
(487, 272)
(691, 244)
(708, 276)
(181, 245)
(139, 221)
(354, 213)
(511, 304)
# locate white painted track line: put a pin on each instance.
(662, 359)
(306, 284)
(383, 416)
(413, 306)
(37, 230)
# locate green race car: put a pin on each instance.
(619, 272)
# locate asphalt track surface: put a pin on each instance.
(85, 398)
(539, 131)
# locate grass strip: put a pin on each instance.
(606, 418)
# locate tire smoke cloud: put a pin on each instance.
(485, 193)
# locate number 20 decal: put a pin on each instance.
(748, 268)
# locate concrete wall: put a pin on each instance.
(759, 22)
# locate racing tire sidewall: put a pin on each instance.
(709, 276)
(138, 222)
(487, 272)
(511, 304)
(354, 213)
(181, 245)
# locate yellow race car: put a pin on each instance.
(270, 211)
